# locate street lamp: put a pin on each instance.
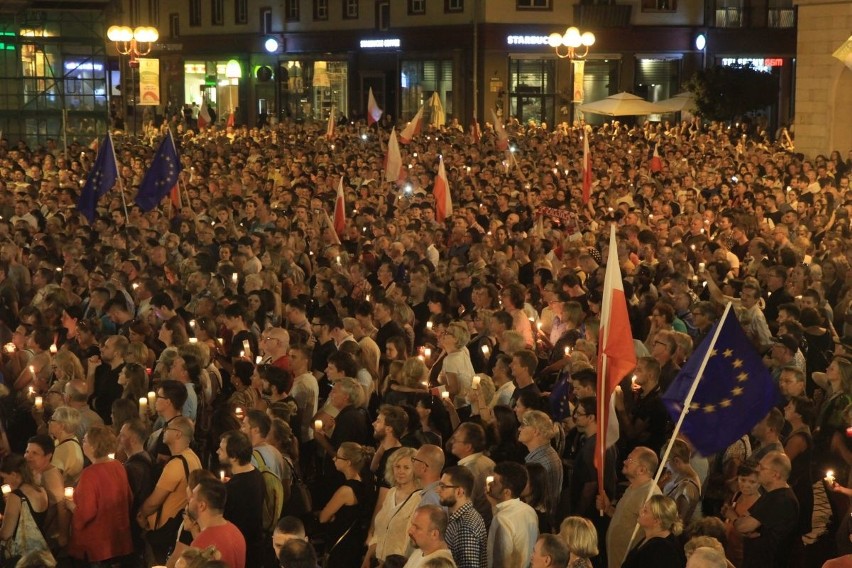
(133, 42)
(566, 44)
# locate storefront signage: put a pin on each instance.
(83, 66)
(526, 40)
(380, 43)
(757, 63)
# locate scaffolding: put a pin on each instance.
(53, 76)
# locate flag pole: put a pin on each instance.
(683, 414)
(602, 424)
(120, 181)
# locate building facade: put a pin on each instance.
(300, 58)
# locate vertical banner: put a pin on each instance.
(579, 69)
(149, 82)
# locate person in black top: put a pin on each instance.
(772, 520)
(387, 327)
(140, 475)
(523, 366)
(103, 376)
(234, 317)
(646, 421)
(246, 491)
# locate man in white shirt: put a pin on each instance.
(428, 525)
(514, 528)
(305, 390)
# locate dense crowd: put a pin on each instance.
(227, 381)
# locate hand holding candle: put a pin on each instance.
(829, 478)
(39, 403)
(318, 425)
(6, 489)
(475, 383)
(69, 492)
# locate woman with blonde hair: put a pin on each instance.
(659, 547)
(683, 485)
(68, 456)
(390, 526)
(582, 539)
(67, 367)
(197, 557)
(457, 370)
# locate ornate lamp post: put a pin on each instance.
(135, 43)
(567, 45)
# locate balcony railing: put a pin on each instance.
(602, 15)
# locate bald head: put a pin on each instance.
(275, 342)
(706, 557)
(429, 463)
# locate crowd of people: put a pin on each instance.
(227, 381)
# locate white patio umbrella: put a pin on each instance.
(679, 103)
(437, 117)
(622, 104)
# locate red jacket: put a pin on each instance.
(100, 528)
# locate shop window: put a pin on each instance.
(174, 25)
(241, 12)
(154, 12)
(194, 13)
(729, 13)
(350, 9)
(217, 12)
(600, 80)
(309, 89)
(532, 84)
(133, 10)
(416, 7)
(534, 4)
(383, 15)
(266, 20)
(657, 79)
(291, 10)
(452, 6)
(320, 10)
(781, 14)
(419, 79)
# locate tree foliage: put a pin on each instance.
(725, 92)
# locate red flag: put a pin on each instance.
(329, 129)
(374, 113)
(340, 210)
(203, 115)
(232, 120)
(502, 137)
(616, 355)
(175, 197)
(393, 163)
(587, 169)
(412, 129)
(477, 133)
(656, 162)
(441, 192)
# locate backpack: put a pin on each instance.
(273, 500)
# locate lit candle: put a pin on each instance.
(193, 340)
(429, 325)
(53, 349)
(69, 492)
(135, 285)
(192, 324)
(246, 346)
(143, 406)
(486, 350)
(633, 380)
(427, 352)
(6, 489)
(489, 480)
(111, 456)
(31, 392)
(692, 247)
(367, 297)
(222, 475)
(234, 277)
(337, 258)
(829, 477)
(32, 371)
(220, 340)
(445, 395)
(317, 425)
(257, 360)
(701, 266)
(568, 351)
(538, 325)
(10, 347)
(242, 354)
(476, 379)
(39, 403)
(152, 397)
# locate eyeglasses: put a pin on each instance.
(579, 414)
(419, 461)
(442, 486)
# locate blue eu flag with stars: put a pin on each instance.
(102, 178)
(161, 176)
(734, 392)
